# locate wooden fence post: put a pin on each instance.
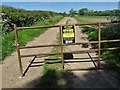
(61, 46)
(17, 49)
(99, 44)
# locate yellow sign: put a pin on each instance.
(68, 33)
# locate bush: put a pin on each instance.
(23, 18)
(110, 32)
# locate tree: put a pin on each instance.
(91, 13)
(73, 12)
(83, 11)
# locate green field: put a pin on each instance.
(94, 17)
(90, 19)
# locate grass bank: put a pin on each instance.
(8, 41)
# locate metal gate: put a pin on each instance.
(17, 29)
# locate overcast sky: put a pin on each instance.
(60, 0)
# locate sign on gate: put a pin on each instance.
(68, 33)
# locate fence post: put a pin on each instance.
(17, 49)
(99, 44)
(61, 46)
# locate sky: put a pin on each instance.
(59, 0)
(63, 6)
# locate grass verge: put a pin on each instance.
(8, 41)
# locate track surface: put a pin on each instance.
(75, 79)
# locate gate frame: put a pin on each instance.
(16, 29)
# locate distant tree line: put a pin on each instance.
(87, 12)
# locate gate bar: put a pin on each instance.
(77, 24)
(75, 52)
(36, 27)
(61, 45)
(17, 49)
(99, 44)
(84, 42)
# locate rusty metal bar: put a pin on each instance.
(38, 46)
(84, 60)
(84, 42)
(36, 27)
(78, 24)
(61, 46)
(75, 52)
(41, 54)
(102, 41)
(82, 24)
(99, 44)
(17, 49)
(110, 48)
(108, 41)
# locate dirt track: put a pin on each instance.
(79, 79)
